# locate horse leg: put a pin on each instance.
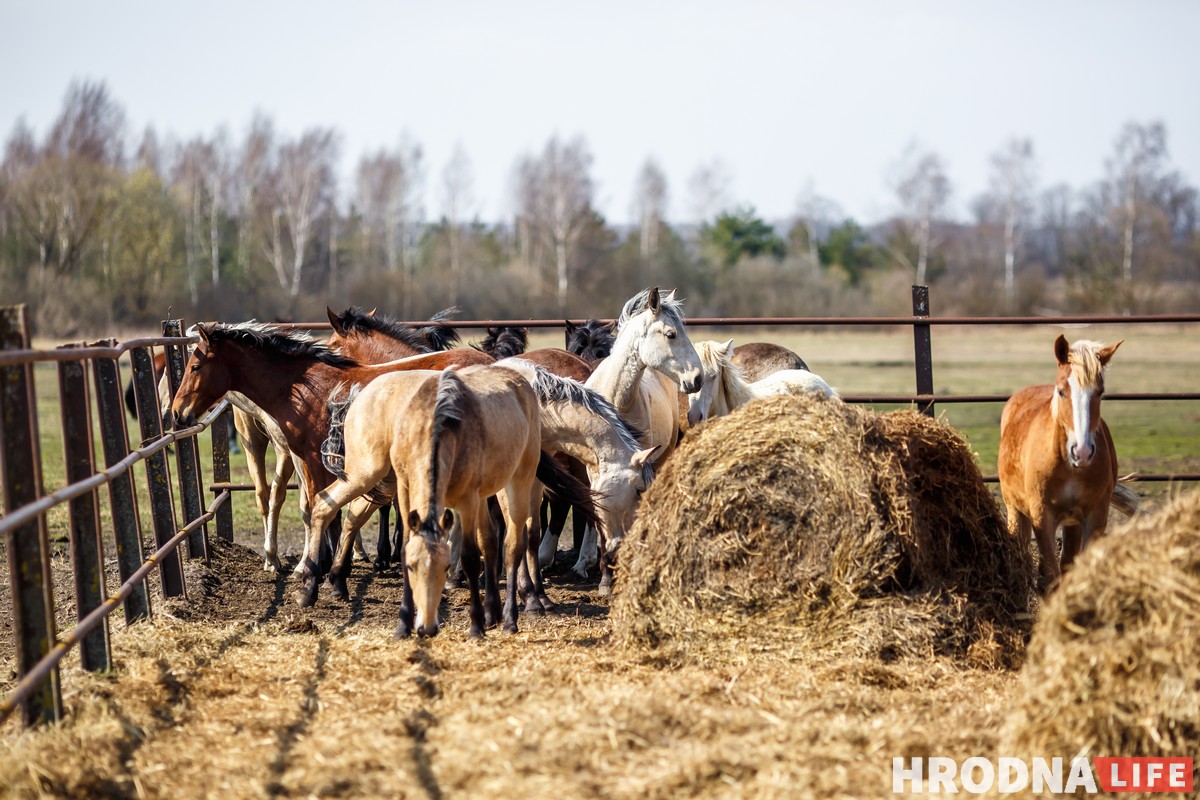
(358, 513)
(471, 563)
(1072, 543)
(555, 520)
(488, 538)
(383, 548)
(514, 506)
(256, 463)
(1047, 528)
(589, 550)
(284, 469)
(325, 506)
(533, 546)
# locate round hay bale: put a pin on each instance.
(1112, 666)
(869, 530)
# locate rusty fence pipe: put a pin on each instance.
(187, 460)
(30, 682)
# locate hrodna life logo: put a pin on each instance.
(1005, 775)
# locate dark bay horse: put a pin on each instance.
(591, 339)
(504, 342)
(1057, 461)
(291, 378)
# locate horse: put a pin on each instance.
(725, 388)
(290, 377)
(651, 363)
(450, 439)
(504, 342)
(757, 360)
(591, 339)
(581, 423)
(372, 338)
(1057, 460)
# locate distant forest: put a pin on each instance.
(103, 231)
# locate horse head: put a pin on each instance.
(427, 562)
(655, 325)
(591, 340)
(619, 488)
(206, 379)
(714, 359)
(1077, 392)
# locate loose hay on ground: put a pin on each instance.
(1113, 666)
(872, 532)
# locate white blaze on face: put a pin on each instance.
(1081, 446)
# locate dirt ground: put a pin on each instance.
(238, 693)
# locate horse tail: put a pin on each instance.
(441, 336)
(333, 449)
(449, 409)
(1124, 499)
(564, 486)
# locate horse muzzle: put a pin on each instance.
(1081, 456)
(427, 631)
(692, 386)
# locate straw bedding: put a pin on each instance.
(872, 533)
(1113, 667)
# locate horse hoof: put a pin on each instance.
(403, 631)
(510, 627)
(604, 590)
(381, 565)
(533, 606)
(339, 590)
(475, 634)
(546, 604)
(304, 598)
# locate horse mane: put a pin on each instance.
(355, 321)
(669, 306)
(441, 336)
(551, 388)
(333, 449)
(1085, 362)
(278, 342)
(504, 342)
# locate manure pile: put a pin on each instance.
(872, 533)
(1114, 662)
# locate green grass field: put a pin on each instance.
(1156, 436)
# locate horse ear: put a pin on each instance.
(1061, 349)
(726, 346)
(652, 301)
(642, 456)
(1107, 353)
(334, 320)
(371, 313)
(414, 520)
(202, 332)
(571, 326)
(610, 326)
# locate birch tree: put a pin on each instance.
(923, 190)
(457, 181)
(650, 205)
(1134, 171)
(709, 190)
(1011, 199)
(305, 189)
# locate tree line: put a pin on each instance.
(101, 231)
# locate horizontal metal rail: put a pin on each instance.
(41, 671)
(33, 510)
(1002, 398)
(243, 487)
(9, 357)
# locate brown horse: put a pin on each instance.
(451, 440)
(372, 338)
(1057, 463)
(757, 360)
(290, 377)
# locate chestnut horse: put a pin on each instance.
(290, 377)
(1057, 462)
(450, 439)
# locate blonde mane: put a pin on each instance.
(1085, 363)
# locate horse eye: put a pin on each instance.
(1062, 393)
(670, 334)
(195, 367)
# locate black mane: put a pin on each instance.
(356, 321)
(279, 342)
(504, 342)
(591, 340)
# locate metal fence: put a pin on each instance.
(89, 388)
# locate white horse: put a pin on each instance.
(725, 388)
(652, 361)
(580, 422)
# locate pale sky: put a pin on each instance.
(782, 93)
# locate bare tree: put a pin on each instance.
(923, 190)
(251, 179)
(709, 190)
(457, 180)
(815, 212)
(650, 205)
(1010, 200)
(558, 187)
(305, 190)
(1134, 172)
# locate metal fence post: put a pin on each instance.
(187, 461)
(923, 348)
(87, 548)
(162, 504)
(121, 497)
(28, 546)
(220, 458)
